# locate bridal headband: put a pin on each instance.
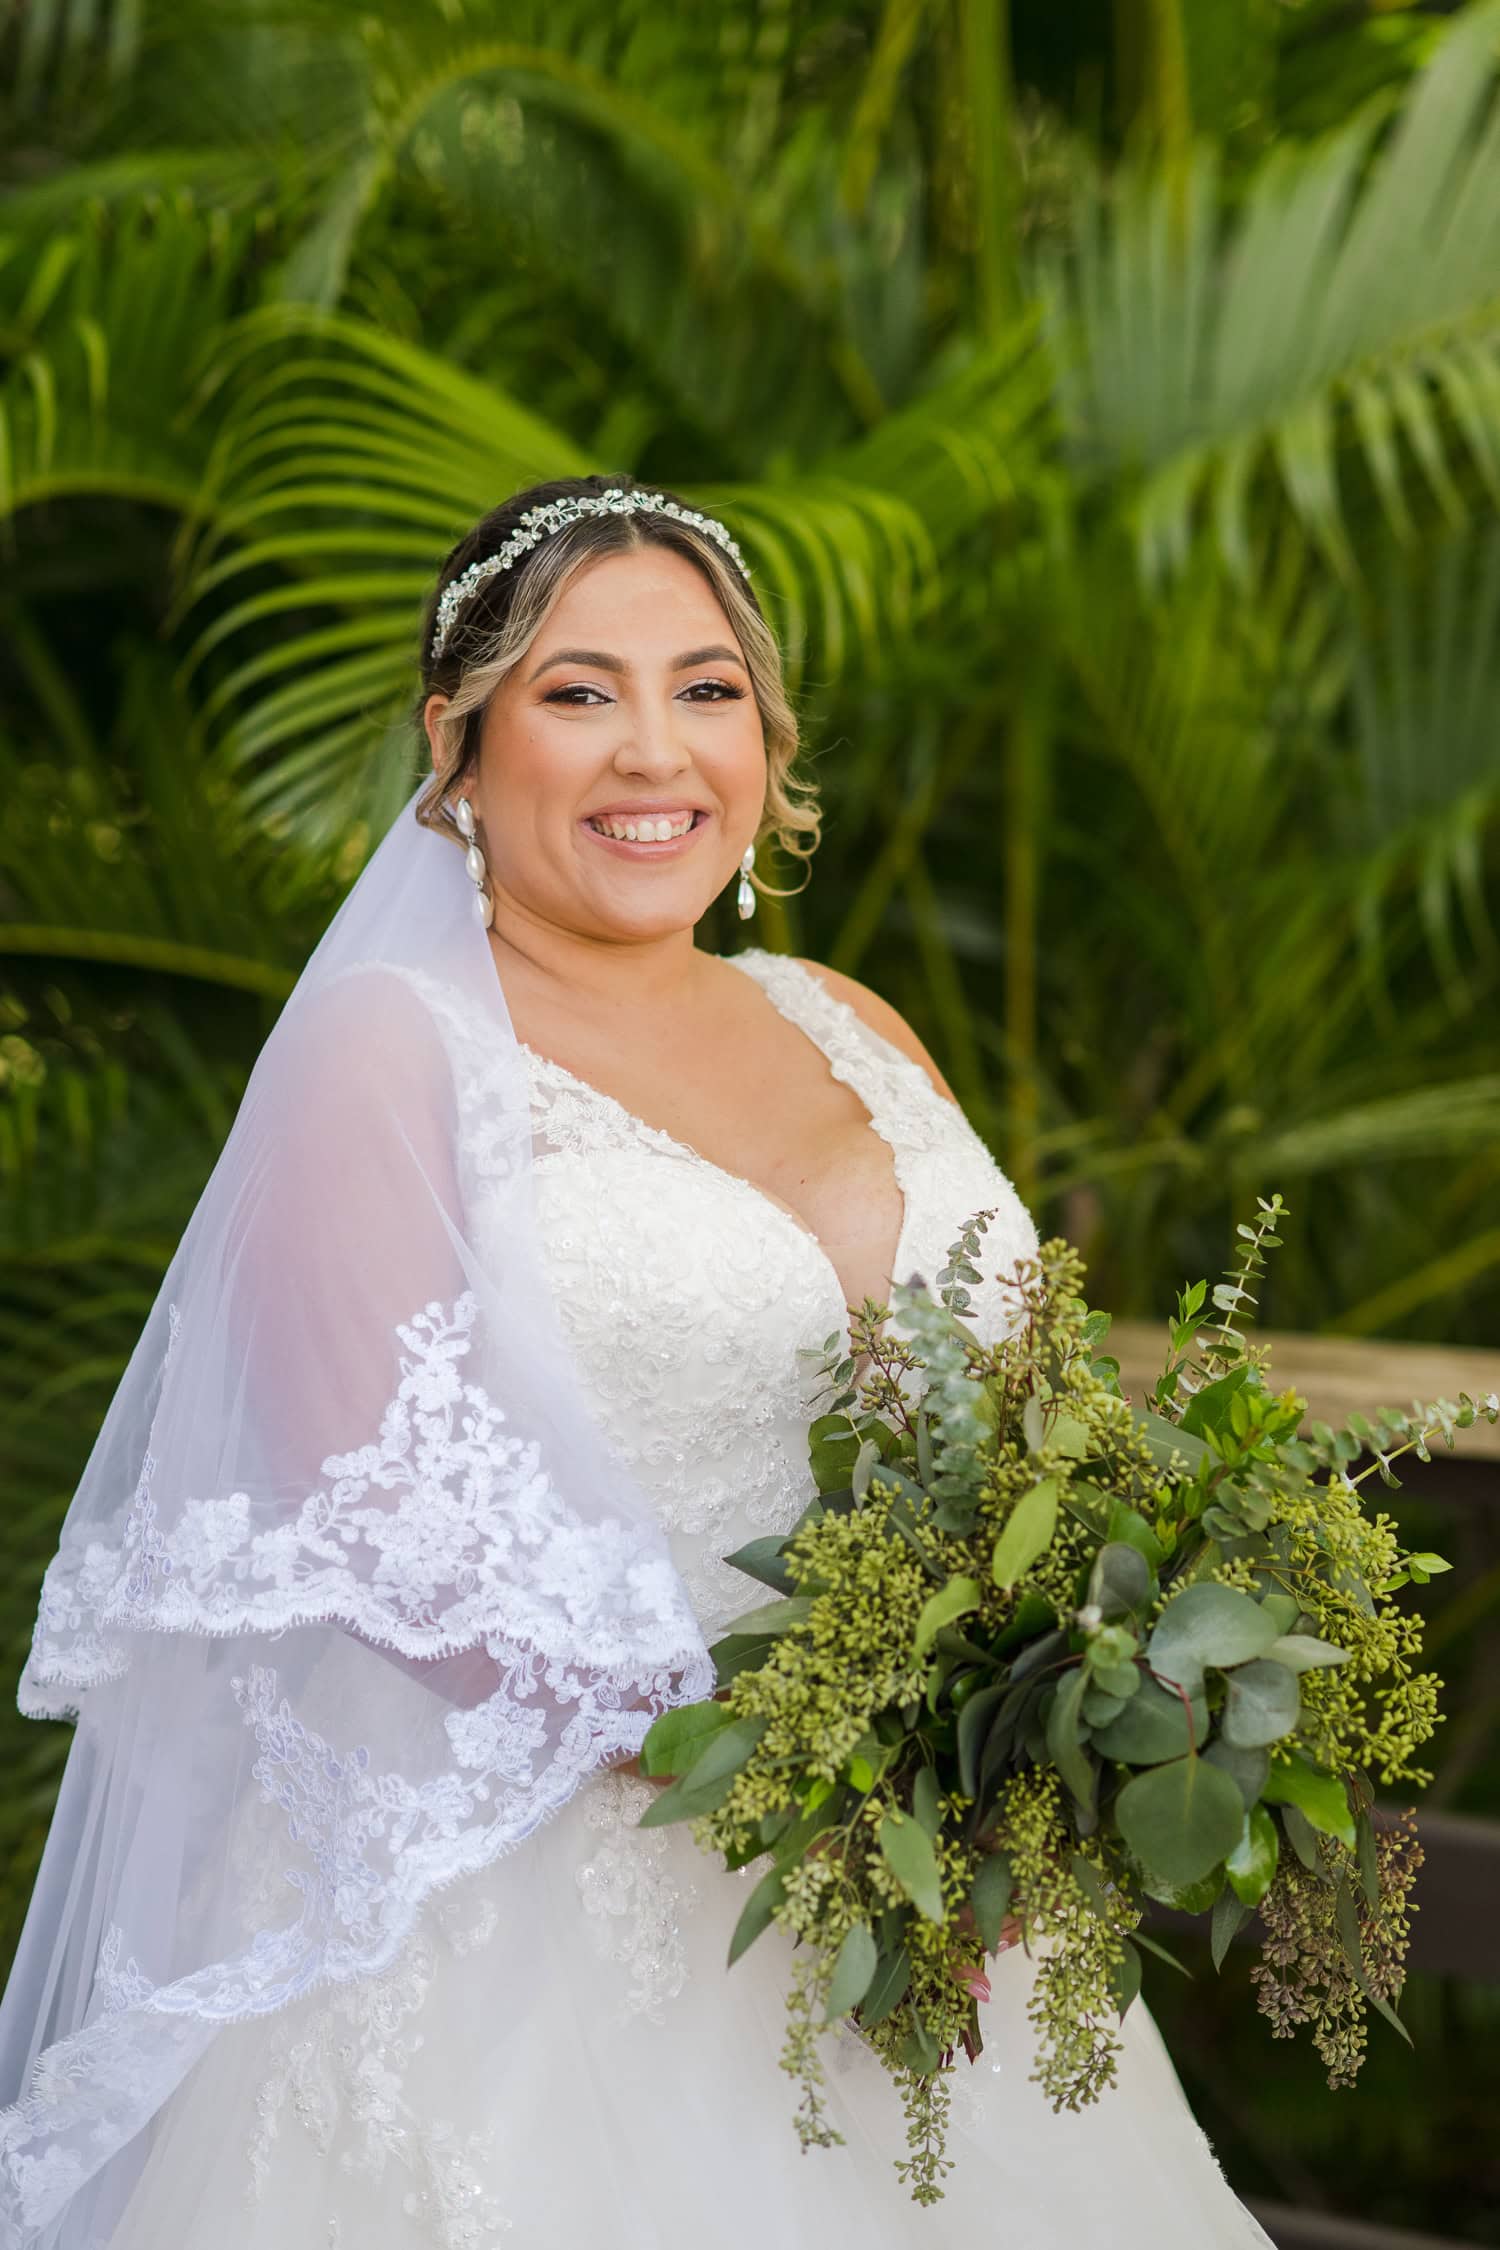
(556, 515)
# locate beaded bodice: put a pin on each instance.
(687, 1293)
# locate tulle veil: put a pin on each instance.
(352, 1595)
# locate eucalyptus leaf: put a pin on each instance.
(1208, 1623)
(765, 1561)
(1120, 1580)
(919, 2050)
(709, 1779)
(924, 1800)
(1187, 1898)
(1251, 1866)
(866, 1461)
(1027, 1533)
(1063, 1739)
(759, 1908)
(1262, 1703)
(1038, 1654)
(833, 1448)
(740, 1652)
(949, 1603)
(1208, 1409)
(1034, 1614)
(1302, 1652)
(887, 1987)
(674, 1740)
(772, 1618)
(993, 1886)
(973, 1724)
(1165, 1438)
(1069, 1437)
(907, 1850)
(1369, 1865)
(1129, 1528)
(1139, 1937)
(1125, 1978)
(853, 1972)
(1303, 1838)
(1283, 1609)
(1320, 1797)
(1246, 1768)
(1229, 1916)
(1152, 1727)
(1180, 1819)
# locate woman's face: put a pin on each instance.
(632, 705)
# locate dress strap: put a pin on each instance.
(904, 1105)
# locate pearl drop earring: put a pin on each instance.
(474, 860)
(745, 896)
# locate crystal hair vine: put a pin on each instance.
(556, 515)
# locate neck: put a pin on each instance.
(556, 973)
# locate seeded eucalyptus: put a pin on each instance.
(1038, 1650)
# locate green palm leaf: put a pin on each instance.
(1349, 312)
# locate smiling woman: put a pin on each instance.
(488, 1343)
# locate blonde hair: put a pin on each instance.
(500, 620)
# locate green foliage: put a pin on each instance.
(1115, 441)
(1197, 1725)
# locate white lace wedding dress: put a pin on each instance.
(561, 2059)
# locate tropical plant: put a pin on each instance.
(1111, 417)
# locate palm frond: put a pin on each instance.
(1348, 313)
(1425, 677)
(349, 461)
(101, 334)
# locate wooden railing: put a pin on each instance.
(1340, 1374)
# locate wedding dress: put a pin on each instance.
(634, 2099)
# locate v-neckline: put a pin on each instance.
(674, 1142)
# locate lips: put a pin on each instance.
(652, 846)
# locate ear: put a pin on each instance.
(432, 711)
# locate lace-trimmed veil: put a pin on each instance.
(351, 1595)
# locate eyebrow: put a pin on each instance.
(604, 662)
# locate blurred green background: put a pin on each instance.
(1108, 400)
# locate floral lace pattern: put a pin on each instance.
(688, 1330)
(478, 1541)
(340, 2078)
(634, 1903)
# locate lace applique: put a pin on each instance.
(478, 1541)
(687, 1330)
(633, 1903)
(341, 2079)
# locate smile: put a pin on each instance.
(650, 835)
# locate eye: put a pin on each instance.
(718, 691)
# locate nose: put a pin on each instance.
(655, 737)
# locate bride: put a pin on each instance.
(489, 1339)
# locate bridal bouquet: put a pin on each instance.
(1038, 1651)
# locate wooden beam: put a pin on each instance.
(1339, 1375)
(1291, 2229)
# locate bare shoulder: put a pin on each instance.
(881, 1017)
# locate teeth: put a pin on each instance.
(647, 830)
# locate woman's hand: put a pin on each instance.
(973, 1975)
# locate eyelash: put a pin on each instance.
(728, 693)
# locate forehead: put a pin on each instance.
(653, 591)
